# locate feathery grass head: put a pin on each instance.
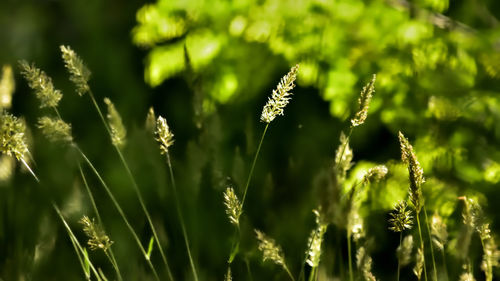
(97, 237)
(280, 97)
(343, 157)
(55, 129)
(438, 231)
(364, 263)
(375, 174)
(403, 252)
(315, 240)
(364, 103)
(419, 263)
(7, 87)
(79, 73)
(233, 206)
(228, 276)
(401, 218)
(150, 123)
(12, 136)
(270, 250)
(416, 173)
(163, 135)
(472, 214)
(45, 91)
(118, 131)
(491, 255)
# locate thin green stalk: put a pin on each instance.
(421, 244)
(75, 242)
(248, 269)
(253, 164)
(119, 209)
(109, 252)
(181, 218)
(313, 274)
(444, 264)
(432, 248)
(289, 273)
(135, 186)
(349, 255)
(399, 264)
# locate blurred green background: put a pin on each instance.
(209, 67)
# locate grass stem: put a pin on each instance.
(430, 241)
(421, 244)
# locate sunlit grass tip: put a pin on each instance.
(42, 84)
(55, 129)
(364, 103)
(12, 136)
(315, 240)
(280, 97)
(233, 206)
(163, 135)
(375, 174)
(401, 218)
(416, 173)
(118, 131)
(79, 73)
(97, 237)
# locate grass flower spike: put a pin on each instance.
(7, 87)
(364, 263)
(55, 129)
(118, 131)
(163, 135)
(12, 136)
(41, 84)
(401, 218)
(80, 74)
(375, 174)
(233, 206)
(416, 173)
(97, 238)
(364, 103)
(270, 250)
(280, 97)
(403, 252)
(315, 241)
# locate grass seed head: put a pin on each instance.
(233, 206)
(375, 174)
(280, 97)
(439, 231)
(364, 103)
(404, 251)
(163, 135)
(401, 218)
(12, 136)
(7, 87)
(419, 263)
(343, 157)
(45, 91)
(270, 250)
(416, 173)
(79, 73)
(118, 131)
(55, 129)
(364, 263)
(313, 253)
(97, 237)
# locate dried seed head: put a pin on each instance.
(118, 131)
(419, 263)
(12, 136)
(7, 87)
(270, 250)
(364, 103)
(364, 263)
(45, 91)
(375, 174)
(97, 237)
(343, 157)
(55, 129)
(403, 252)
(401, 218)
(79, 73)
(163, 135)
(313, 253)
(438, 231)
(280, 97)
(416, 173)
(233, 206)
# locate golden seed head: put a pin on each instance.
(280, 97)
(270, 250)
(364, 103)
(228, 276)
(419, 263)
(12, 136)
(416, 173)
(313, 253)
(7, 87)
(55, 129)
(118, 131)
(45, 91)
(343, 157)
(439, 231)
(163, 135)
(375, 174)
(233, 206)
(79, 73)
(491, 255)
(401, 218)
(364, 263)
(97, 237)
(403, 252)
